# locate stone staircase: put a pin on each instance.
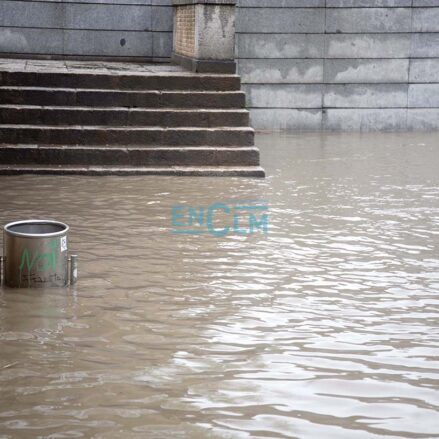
(109, 118)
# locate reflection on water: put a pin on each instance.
(327, 327)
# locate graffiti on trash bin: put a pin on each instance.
(34, 264)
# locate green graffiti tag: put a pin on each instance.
(39, 262)
(36, 263)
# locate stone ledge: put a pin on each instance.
(205, 65)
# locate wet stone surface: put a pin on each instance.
(325, 327)
(95, 67)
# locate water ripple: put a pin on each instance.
(327, 327)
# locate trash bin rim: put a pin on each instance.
(8, 226)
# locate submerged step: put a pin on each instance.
(183, 171)
(101, 135)
(121, 116)
(44, 96)
(52, 155)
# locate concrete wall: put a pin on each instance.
(135, 29)
(351, 65)
(306, 64)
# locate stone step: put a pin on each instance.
(121, 116)
(120, 98)
(52, 155)
(101, 135)
(183, 171)
(123, 119)
(124, 81)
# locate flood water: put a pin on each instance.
(325, 327)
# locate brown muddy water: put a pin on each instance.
(325, 327)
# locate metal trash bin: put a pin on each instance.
(35, 254)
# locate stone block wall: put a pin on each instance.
(340, 65)
(351, 65)
(204, 35)
(184, 29)
(109, 29)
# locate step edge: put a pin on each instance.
(127, 74)
(117, 90)
(122, 128)
(123, 148)
(125, 109)
(232, 171)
